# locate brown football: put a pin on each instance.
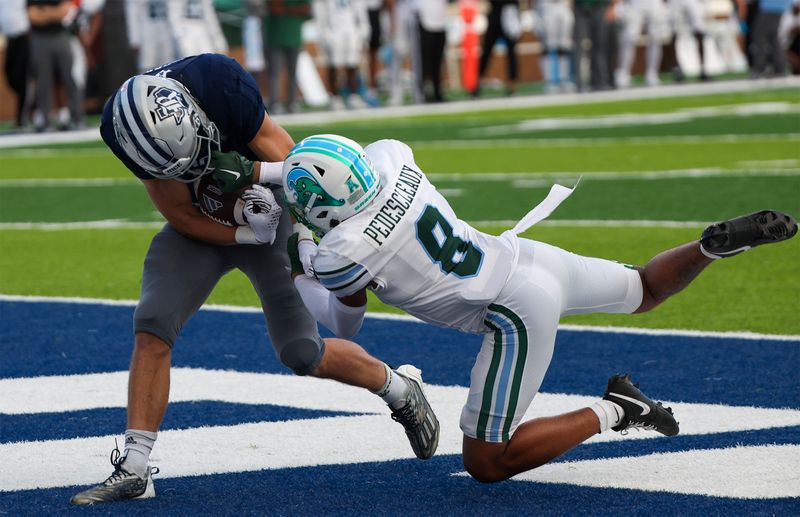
(223, 208)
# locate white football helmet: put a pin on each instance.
(328, 179)
(161, 127)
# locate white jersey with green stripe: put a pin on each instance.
(413, 251)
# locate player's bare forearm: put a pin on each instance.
(173, 200)
(272, 143)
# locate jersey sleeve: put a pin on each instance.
(340, 275)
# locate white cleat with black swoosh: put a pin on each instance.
(640, 411)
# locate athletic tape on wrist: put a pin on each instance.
(245, 235)
(270, 173)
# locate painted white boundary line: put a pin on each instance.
(529, 101)
(114, 224)
(411, 319)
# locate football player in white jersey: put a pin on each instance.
(343, 30)
(638, 14)
(150, 33)
(384, 227)
(557, 23)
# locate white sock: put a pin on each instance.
(394, 389)
(609, 413)
(138, 445)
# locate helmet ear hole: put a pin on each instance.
(323, 214)
(334, 223)
(320, 170)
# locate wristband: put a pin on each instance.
(270, 172)
(245, 235)
(303, 233)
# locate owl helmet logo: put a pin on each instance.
(171, 103)
(328, 179)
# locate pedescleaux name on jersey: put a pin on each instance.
(394, 208)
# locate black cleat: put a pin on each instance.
(732, 237)
(120, 485)
(416, 415)
(640, 411)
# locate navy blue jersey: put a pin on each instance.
(227, 94)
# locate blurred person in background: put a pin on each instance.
(404, 47)
(14, 25)
(253, 38)
(52, 59)
(556, 32)
(593, 19)
(150, 33)
(692, 13)
(196, 28)
(769, 58)
(501, 24)
(789, 36)
(343, 30)
(375, 9)
(634, 16)
(432, 19)
(284, 40)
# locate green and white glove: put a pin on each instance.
(231, 171)
(301, 255)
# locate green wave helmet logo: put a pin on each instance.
(303, 185)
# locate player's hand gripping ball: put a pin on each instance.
(227, 209)
(231, 171)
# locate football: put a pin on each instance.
(223, 208)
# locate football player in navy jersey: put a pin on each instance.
(170, 126)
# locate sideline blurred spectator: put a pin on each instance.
(693, 13)
(501, 24)
(51, 57)
(556, 33)
(14, 25)
(768, 50)
(789, 36)
(252, 38)
(374, 11)
(432, 18)
(593, 20)
(404, 46)
(150, 32)
(196, 28)
(343, 30)
(89, 33)
(284, 40)
(636, 14)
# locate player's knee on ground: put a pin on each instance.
(302, 355)
(484, 469)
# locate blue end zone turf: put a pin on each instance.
(66, 339)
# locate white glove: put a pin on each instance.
(263, 213)
(307, 250)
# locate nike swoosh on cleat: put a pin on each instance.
(645, 407)
(233, 173)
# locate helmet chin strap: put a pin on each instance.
(310, 204)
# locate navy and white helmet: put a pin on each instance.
(327, 179)
(161, 127)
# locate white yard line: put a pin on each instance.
(533, 141)
(411, 319)
(466, 106)
(765, 168)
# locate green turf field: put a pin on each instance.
(652, 173)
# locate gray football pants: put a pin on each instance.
(180, 273)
